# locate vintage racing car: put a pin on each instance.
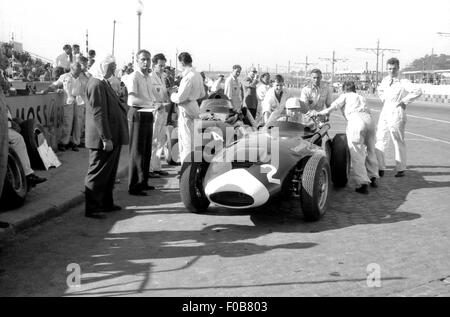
(217, 117)
(285, 157)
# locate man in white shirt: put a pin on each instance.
(161, 94)
(261, 91)
(317, 96)
(395, 94)
(275, 100)
(140, 119)
(233, 88)
(72, 88)
(63, 60)
(191, 89)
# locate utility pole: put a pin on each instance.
(378, 51)
(276, 69)
(306, 65)
(176, 61)
(289, 67)
(333, 61)
(87, 42)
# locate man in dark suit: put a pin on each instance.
(106, 132)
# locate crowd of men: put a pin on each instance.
(103, 111)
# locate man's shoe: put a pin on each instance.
(374, 182)
(61, 147)
(148, 187)
(113, 208)
(95, 215)
(381, 173)
(33, 179)
(75, 148)
(400, 174)
(162, 173)
(364, 189)
(153, 175)
(137, 193)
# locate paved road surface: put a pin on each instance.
(155, 248)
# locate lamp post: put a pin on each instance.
(139, 9)
(114, 36)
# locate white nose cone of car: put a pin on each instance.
(238, 181)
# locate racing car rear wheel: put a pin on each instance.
(340, 160)
(191, 186)
(315, 187)
(15, 187)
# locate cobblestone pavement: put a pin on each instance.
(155, 248)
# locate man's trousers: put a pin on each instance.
(159, 138)
(71, 129)
(391, 125)
(100, 178)
(141, 132)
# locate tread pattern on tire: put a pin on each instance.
(310, 173)
(188, 197)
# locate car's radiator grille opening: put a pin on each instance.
(232, 199)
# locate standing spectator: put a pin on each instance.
(316, 95)
(233, 88)
(76, 52)
(82, 99)
(360, 135)
(275, 100)
(395, 94)
(261, 91)
(161, 95)
(106, 132)
(191, 89)
(47, 76)
(250, 96)
(63, 60)
(72, 89)
(140, 120)
(91, 58)
(219, 85)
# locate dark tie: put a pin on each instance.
(391, 82)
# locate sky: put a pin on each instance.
(272, 34)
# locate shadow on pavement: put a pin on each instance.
(384, 205)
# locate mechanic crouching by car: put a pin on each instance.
(17, 142)
(360, 135)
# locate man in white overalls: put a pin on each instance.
(191, 88)
(395, 94)
(158, 78)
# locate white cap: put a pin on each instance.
(293, 103)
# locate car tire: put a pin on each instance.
(15, 187)
(171, 150)
(4, 144)
(340, 161)
(328, 148)
(30, 131)
(315, 187)
(191, 186)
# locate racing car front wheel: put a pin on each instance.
(340, 160)
(191, 186)
(315, 187)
